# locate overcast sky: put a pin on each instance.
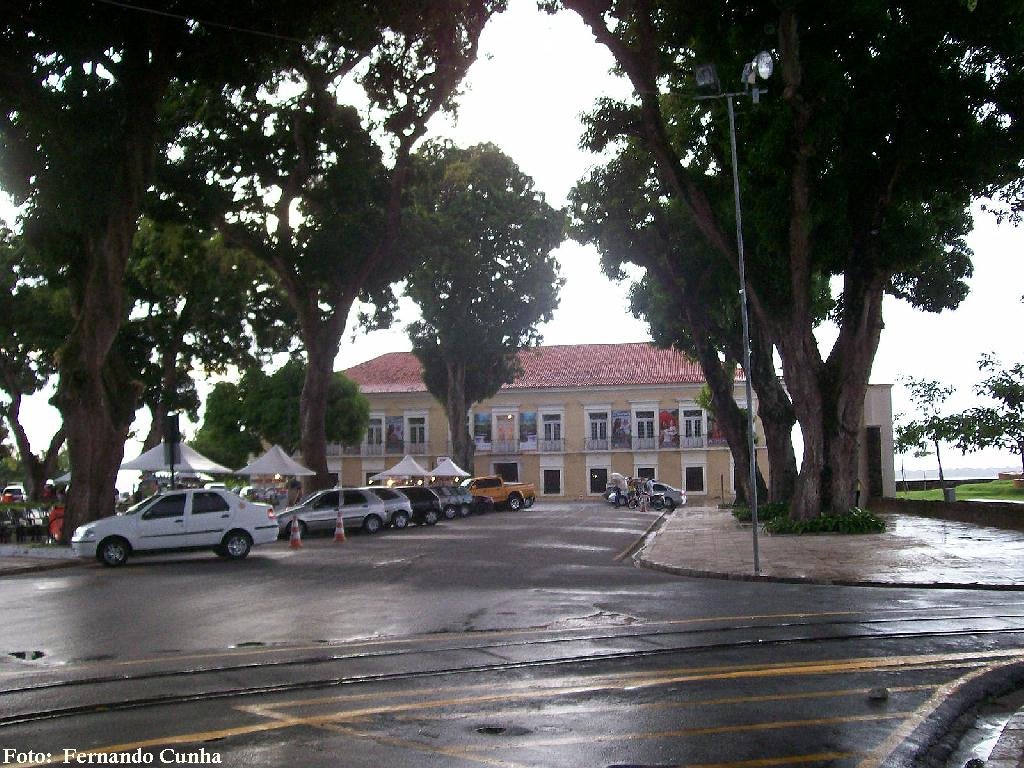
(536, 75)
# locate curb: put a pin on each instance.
(932, 742)
(698, 573)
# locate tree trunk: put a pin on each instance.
(322, 338)
(777, 418)
(95, 393)
(728, 414)
(457, 411)
(98, 407)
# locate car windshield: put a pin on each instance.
(135, 508)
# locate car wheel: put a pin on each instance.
(238, 543)
(450, 512)
(658, 503)
(113, 552)
(220, 551)
(669, 504)
(528, 502)
(431, 516)
(400, 520)
(372, 524)
(464, 510)
(515, 502)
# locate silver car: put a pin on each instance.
(397, 506)
(319, 512)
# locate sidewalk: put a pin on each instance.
(27, 558)
(914, 551)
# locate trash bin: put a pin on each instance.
(949, 494)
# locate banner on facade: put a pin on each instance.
(528, 431)
(482, 431)
(621, 433)
(394, 439)
(668, 426)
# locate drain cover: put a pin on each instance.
(491, 730)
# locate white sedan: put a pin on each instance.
(199, 518)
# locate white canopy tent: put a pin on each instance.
(191, 461)
(448, 468)
(275, 462)
(407, 467)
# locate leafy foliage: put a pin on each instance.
(764, 513)
(853, 522)
(994, 426)
(265, 408)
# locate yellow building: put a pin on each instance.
(575, 415)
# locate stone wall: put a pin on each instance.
(992, 514)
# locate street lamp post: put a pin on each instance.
(760, 67)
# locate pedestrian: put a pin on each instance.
(646, 491)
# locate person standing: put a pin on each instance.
(646, 491)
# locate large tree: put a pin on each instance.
(482, 238)
(83, 91)
(885, 121)
(295, 176)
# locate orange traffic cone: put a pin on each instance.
(339, 530)
(295, 542)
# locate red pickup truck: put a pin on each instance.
(515, 496)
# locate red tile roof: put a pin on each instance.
(571, 366)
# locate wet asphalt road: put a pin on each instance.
(506, 639)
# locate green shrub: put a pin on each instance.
(855, 521)
(764, 513)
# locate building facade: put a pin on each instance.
(575, 415)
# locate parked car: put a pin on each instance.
(319, 512)
(664, 497)
(426, 505)
(456, 501)
(673, 496)
(397, 506)
(13, 493)
(197, 518)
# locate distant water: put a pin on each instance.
(956, 473)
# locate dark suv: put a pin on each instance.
(426, 505)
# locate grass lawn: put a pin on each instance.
(997, 489)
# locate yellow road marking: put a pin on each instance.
(711, 730)
(680, 674)
(765, 762)
(690, 704)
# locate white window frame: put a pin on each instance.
(703, 465)
(690, 405)
(597, 461)
(542, 439)
(418, 414)
(638, 407)
(512, 446)
(588, 410)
